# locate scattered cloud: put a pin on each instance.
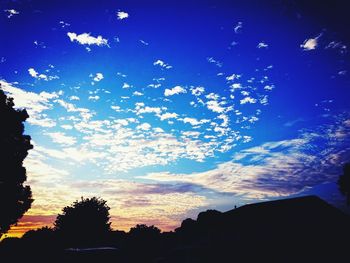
(174, 91)
(32, 72)
(238, 27)
(214, 61)
(162, 64)
(248, 100)
(310, 44)
(144, 42)
(34, 103)
(63, 24)
(215, 106)
(194, 121)
(122, 15)
(168, 115)
(61, 138)
(126, 86)
(94, 98)
(262, 45)
(74, 98)
(11, 12)
(86, 39)
(197, 91)
(98, 77)
(273, 169)
(137, 93)
(144, 126)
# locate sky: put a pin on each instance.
(168, 108)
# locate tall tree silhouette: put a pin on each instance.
(84, 223)
(344, 182)
(15, 198)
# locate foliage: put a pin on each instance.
(85, 222)
(15, 198)
(344, 182)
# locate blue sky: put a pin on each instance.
(167, 109)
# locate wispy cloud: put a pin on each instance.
(277, 168)
(162, 64)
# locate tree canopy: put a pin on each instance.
(344, 182)
(85, 222)
(15, 198)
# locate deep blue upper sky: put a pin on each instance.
(165, 108)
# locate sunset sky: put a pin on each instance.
(169, 108)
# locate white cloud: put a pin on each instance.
(39, 120)
(137, 93)
(155, 86)
(34, 103)
(144, 42)
(197, 91)
(126, 86)
(86, 39)
(168, 115)
(74, 98)
(84, 112)
(269, 87)
(262, 45)
(32, 72)
(233, 77)
(116, 108)
(235, 86)
(67, 127)
(61, 138)
(121, 75)
(122, 15)
(174, 91)
(98, 77)
(147, 109)
(225, 120)
(238, 27)
(162, 64)
(11, 12)
(310, 44)
(64, 24)
(194, 121)
(144, 126)
(214, 106)
(214, 61)
(248, 100)
(94, 98)
(279, 163)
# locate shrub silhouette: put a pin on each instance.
(144, 232)
(146, 240)
(344, 182)
(15, 198)
(84, 223)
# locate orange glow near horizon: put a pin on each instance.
(33, 222)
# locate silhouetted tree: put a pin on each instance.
(145, 231)
(146, 240)
(344, 182)
(84, 223)
(15, 198)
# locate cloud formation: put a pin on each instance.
(87, 39)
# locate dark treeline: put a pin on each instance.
(304, 229)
